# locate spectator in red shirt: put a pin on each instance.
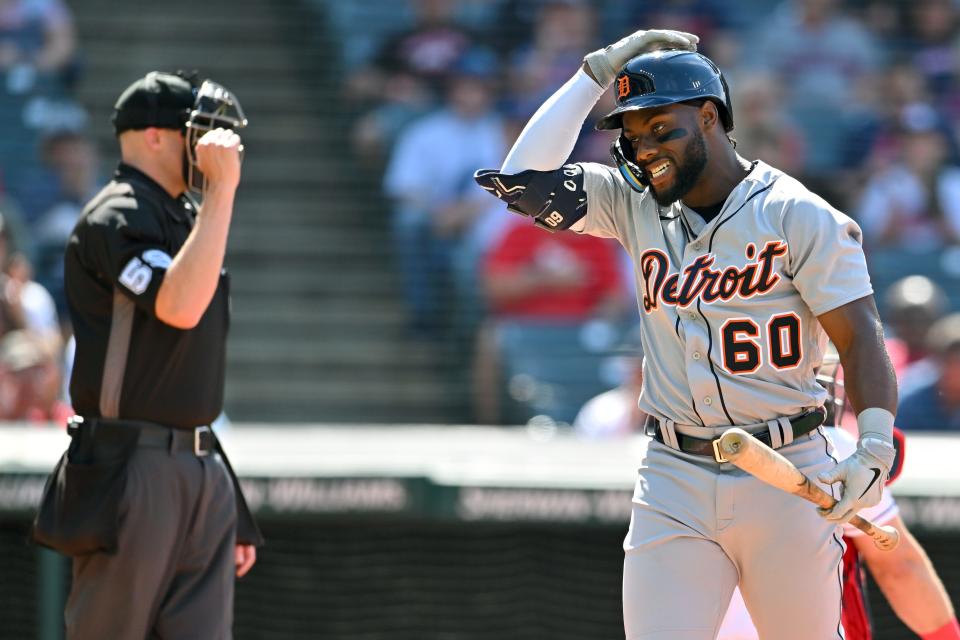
(535, 276)
(30, 378)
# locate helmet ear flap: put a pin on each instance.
(622, 152)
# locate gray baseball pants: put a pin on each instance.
(173, 573)
(700, 528)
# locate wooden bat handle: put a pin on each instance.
(759, 460)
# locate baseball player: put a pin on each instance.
(741, 274)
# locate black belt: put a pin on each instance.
(198, 440)
(800, 425)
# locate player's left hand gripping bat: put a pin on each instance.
(759, 460)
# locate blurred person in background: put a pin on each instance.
(616, 413)
(820, 56)
(30, 380)
(74, 166)
(886, 98)
(914, 204)
(429, 50)
(562, 30)
(882, 18)
(764, 129)
(727, 49)
(911, 305)
(407, 76)
(32, 301)
(529, 274)
(27, 303)
(930, 41)
(536, 277)
(38, 66)
(935, 406)
(442, 221)
(702, 17)
(36, 37)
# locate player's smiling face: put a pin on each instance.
(668, 147)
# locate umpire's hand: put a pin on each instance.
(218, 158)
(245, 556)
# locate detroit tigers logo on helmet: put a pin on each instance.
(659, 78)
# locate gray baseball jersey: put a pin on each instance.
(729, 306)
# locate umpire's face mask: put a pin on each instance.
(215, 107)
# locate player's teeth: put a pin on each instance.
(659, 171)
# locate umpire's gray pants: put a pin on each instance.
(172, 576)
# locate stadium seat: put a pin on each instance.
(550, 369)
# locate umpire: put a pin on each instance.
(151, 511)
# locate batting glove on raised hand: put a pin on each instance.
(862, 475)
(606, 63)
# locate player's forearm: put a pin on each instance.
(550, 135)
(194, 274)
(912, 587)
(868, 376)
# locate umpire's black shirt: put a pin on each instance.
(129, 364)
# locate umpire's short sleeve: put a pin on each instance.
(825, 259)
(123, 240)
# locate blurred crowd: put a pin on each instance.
(860, 99)
(48, 169)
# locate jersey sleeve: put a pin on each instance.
(124, 242)
(825, 257)
(608, 200)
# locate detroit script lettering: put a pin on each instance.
(701, 280)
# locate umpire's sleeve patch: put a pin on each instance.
(136, 276)
(157, 259)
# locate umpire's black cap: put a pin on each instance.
(158, 99)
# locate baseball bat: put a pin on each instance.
(759, 460)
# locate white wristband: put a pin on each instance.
(876, 422)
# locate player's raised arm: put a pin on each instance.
(547, 140)
(533, 180)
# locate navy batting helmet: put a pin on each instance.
(665, 77)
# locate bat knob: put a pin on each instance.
(892, 540)
(733, 441)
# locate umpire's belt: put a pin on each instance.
(198, 440)
(774, 433)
